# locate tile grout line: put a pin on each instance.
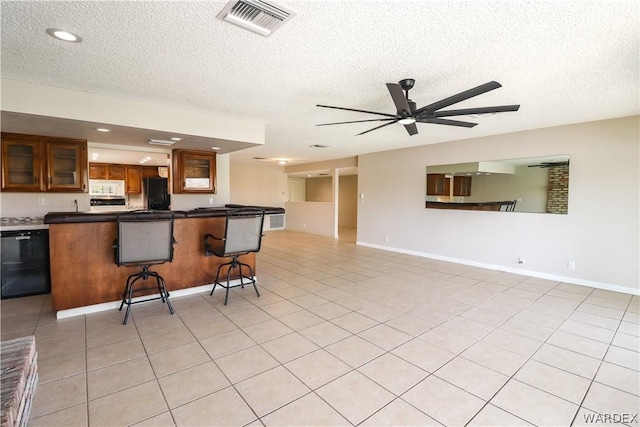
(599, 366)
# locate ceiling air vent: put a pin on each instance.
(162, 142)
(318, 146)
(256, 15)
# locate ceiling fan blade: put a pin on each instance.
(355, 121)
(478, 90)
(402, 106)
(358, 111)
(482, 110)
(411, 128)
(377, 127)
(448, 122)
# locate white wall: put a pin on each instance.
(26, 204)
(257, 184)
(600, 233)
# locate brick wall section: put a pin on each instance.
(558, 190)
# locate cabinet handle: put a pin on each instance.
(35, 179)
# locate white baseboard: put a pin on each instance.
(96, 308)
(538, 274)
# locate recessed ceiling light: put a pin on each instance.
(282, 162)
(175, 138)
(103, 130)
(215, 148)
(64, 35)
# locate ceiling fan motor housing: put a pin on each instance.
(407, 84)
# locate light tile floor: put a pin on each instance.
(343, 335)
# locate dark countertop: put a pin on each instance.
(507, 202)
(84, 217)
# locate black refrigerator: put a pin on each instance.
(155, 195)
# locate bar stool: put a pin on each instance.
(145, 238)
(242, 235)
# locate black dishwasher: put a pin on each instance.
(25, 263)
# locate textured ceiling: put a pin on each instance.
(563, 61)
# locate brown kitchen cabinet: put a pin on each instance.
(194, 171)
(32, 163)
(150, 172)
(107, 171)
(438, 184)
(133, 179)
(461, 185)
(98, 171)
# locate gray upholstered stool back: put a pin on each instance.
(144, 238)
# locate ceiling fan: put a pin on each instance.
(408, 115)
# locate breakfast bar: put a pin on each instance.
(83, 268)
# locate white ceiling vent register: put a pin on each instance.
(256, 15)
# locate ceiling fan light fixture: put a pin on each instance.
(407, 121)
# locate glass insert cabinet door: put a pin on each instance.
(64, 166)
(21, 164)
(197, 171)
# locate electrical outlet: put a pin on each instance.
(40, 201)
(386, 238)
(210, 200)
(571, 265)
(520, 260)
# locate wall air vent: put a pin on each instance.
(163, 142)
(255, 15)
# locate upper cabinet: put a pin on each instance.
(131, 174)
(21, 164)
(134, 179)
(194, 171)
(461, 185)
(38, 163)
(107, 171)
(98, 171)
(438, 184)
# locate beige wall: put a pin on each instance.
(348, 201)
(257, 184)
(319, 189)
(600, 234)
